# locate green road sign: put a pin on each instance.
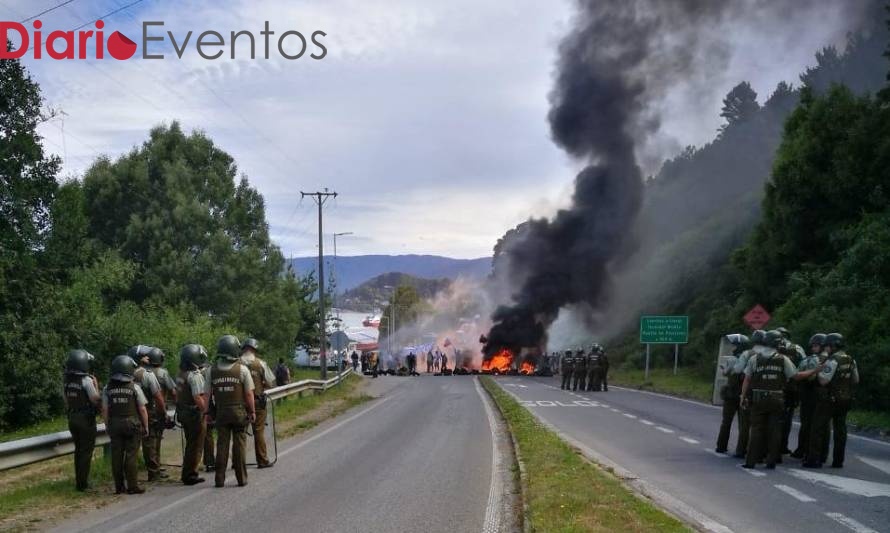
(664, 329)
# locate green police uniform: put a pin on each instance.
(150, 386)
(807, 389)
(795, 354)
(838, 378)
(594, 371)
(122, 399)
(81, 396)
(567, 368)
(263, 378)
(190, 384)
(731, 396)
(769, 371)
(226, 384)
(580, 376)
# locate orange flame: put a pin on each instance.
(499, 362)
(527, 368)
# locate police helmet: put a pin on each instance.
(835, 341)
(137, 352)
(758, 337)
(741, 342)
(568, 352)
(784, 332)
(252, 343)
(156, 356)
(228, 347)
(122, 368)
(818, 339)
(78, 362)
(773, 338)
(192, 356)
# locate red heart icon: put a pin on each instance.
(120, 46)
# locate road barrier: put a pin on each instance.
(30, 450)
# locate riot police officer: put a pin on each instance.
(839, 377)
(765, 377)
(757, 346)
(792, 389)
(263, 379)
(191, 405)
(155, 365)
(731, 396)
(157, 410)
(123, 408)
(581, 364)
(82, 403)
(807, 390)
(594, 369)
(567, 367)
(229, 386)
(604, 367)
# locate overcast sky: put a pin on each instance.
(427, 117)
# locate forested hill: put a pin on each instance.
(374, 293)
(352, 271)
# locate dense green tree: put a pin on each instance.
(739, 105)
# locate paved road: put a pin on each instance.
(418, 458)
(665, 447)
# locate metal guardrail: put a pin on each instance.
(30, 450)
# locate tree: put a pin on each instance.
(739, 105)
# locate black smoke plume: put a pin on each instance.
(619, 59)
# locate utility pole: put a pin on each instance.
(320, 199)
(334, 266)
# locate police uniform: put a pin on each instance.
(838, 377)
(150, 386)
(169, 389)
(263, 378)
(594, 375)
(580, 371)
(226, 383)
(567, 367)
(807, 391)
(81, 397)
(795, 354)
(768, 372)
(122, 399)
(190, 384)
(741, 447)
(731, 407)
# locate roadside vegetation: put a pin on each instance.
(35, 496)
(564, 491)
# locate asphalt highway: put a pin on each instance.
(421, 457)
(664, 446)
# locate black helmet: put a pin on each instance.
(156, 356)
(818, 339)
(773, 338)
(835, 341)
(122, 368)
(758, 337)
(192, 356)
(741, 342)
(250, 342)
(568, 352)
(228, 347)
(784, 332)
(137, 352)
(78, 362)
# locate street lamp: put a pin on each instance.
(334, 292)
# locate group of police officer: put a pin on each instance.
(227, 395)
(587, 371)
(769, 378)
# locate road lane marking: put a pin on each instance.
(850, 523)
(642, 421)
(614, 410)
(718, 454)
(689, 440)
(880, 464)
(628, 415)
(846, 485)
(753, 472)
(796, 494)
(492, 523)
(664, 430)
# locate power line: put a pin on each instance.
(44, 12)
(110, 13)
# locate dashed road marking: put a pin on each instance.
(753, 472)
(648, 423)
(664, 430)
(628, 415)
(718, 454)
(796, 494)
(850, 523)
(689, 440)
(614, 410)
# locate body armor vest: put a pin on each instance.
(581, 363)
(75, 396)
(594, 361)
(568, 363)
(139, 378)
(228, 391)
(184, 398)
(122, 400)
(841, 384)
(769, 373)
(257, 373)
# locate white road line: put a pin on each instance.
(796, 494)
(628, 415)
(850, 523)
(880, 464)
(642, 421)
(715, 452)
(689, 440)
(614, 410)
(664, 430)
(753, 472)
(492, 522)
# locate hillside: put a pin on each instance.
(352, 271)
(374, 293)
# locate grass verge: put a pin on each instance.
(567, 493)
(689, 384)
(35, 496)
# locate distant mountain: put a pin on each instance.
(352, 271)
(372, 294)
